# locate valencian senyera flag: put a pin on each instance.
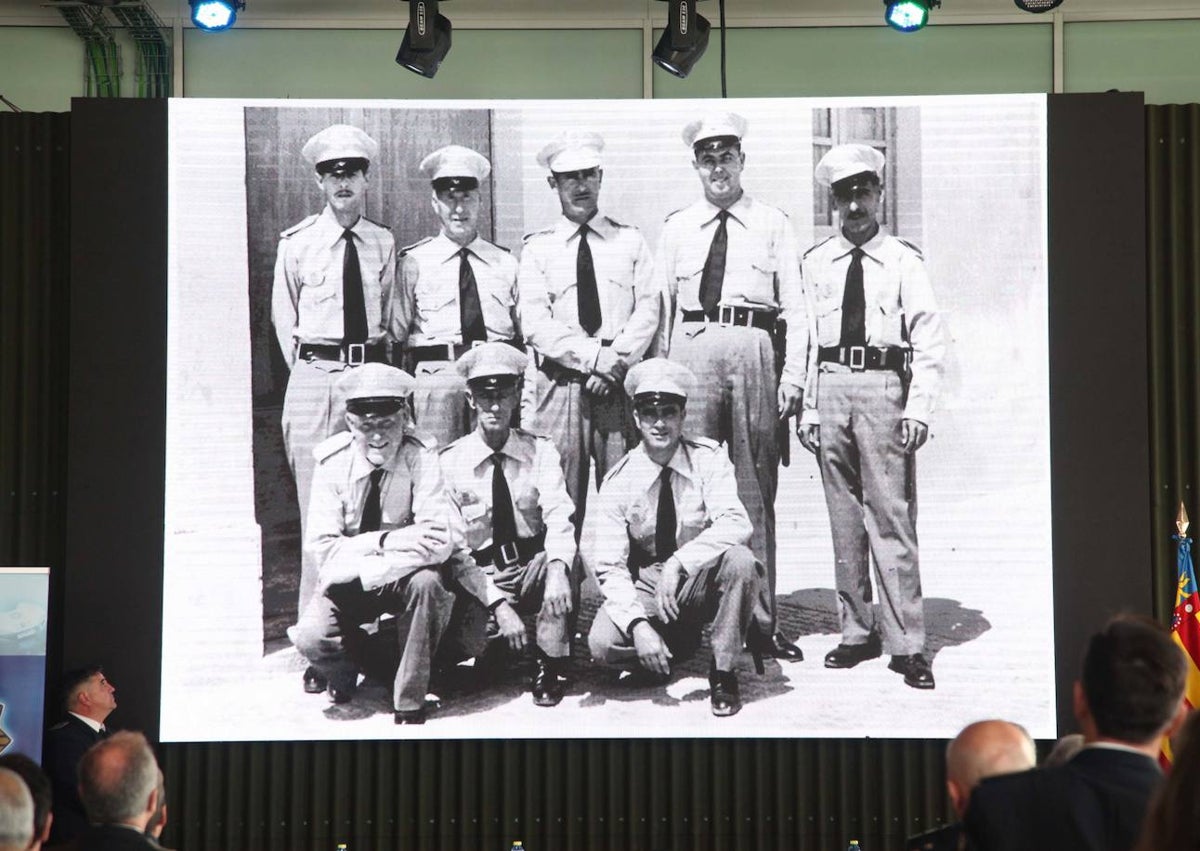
(1185, 620)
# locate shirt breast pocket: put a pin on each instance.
(317, 287)
(432, 297)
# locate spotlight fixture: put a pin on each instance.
(426, 40)
(908, 16)
(683, 41)
(1037, 6)
(215, 15)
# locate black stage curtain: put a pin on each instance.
(787, 794)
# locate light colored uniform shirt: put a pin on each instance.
(630, 303)
(426, 310)
(709, 518)
(411, 494)
(900, 311)
(762, 267)
(306, 298)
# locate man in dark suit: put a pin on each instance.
(88, 699)
(981, 750)
(118, 782)
(1129, 696)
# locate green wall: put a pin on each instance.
(41, 68)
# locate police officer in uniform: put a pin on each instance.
(732, 273)
(873, 381)
(455, 290)
(590, 308)
(334, 274)
(508, 485)
(382, 532)
(670, 544)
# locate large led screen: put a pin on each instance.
(964, 190)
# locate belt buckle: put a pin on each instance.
(858, 358)
(726, 315)
(356, 354)
(505, 558)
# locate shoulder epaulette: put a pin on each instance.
(420, 438)
(409, 248)
(59, 726)
(914, 248)
(377, 224)
(616, 468)
(330, 446)
(615, 223)
(702, 442)
(299, 226)
(531, 235)
(815, 247)
(673, 213)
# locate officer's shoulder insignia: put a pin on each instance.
(59, 726)
(674, 213)
(377, 224)
(420, 438)
(615, 223)
(299, 226)
(915, 250)
(815, 247)
(702, 443)
(503, 248)
(537, 233)
(616, 468)
(416, 244)
(332, 445)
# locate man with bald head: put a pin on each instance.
(118, 782)
(16, 812)
(983, 749)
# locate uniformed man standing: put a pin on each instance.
(670, 544)
(873, 380)
(508, 485)
(382, 531)
(732, 274)
(334, 274)
(590, 308)
(456, 290)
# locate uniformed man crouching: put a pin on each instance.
(670, 544)
(382, 532)
(508, 485)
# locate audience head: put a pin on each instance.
(39, 787)
(1171, 821)
(1065, 748)
(16, 812)
(118, 781)
(86, 691)
(158, 821)
(985, 749)
(1131, 686)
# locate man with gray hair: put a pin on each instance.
(16, 812)
(118, 782)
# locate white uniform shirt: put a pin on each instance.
(630, 303)
(426, 310)
(306, 297)
(900, 311)
(762, 267)
(709, 518)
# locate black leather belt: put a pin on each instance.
(560, 374)
(866, 357)
(510, 555)
(452, 351)
(731, 314)
(353, 354)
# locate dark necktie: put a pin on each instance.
(585, 285)
(372, 513)
(469, 311)
(504, 521)
(664, 529)
(714, 268)
(854, 303)
(354, 308)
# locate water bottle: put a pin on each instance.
(854, 846)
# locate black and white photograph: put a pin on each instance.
(607, 419)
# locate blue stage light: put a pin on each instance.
(215, 15)
(908, 16)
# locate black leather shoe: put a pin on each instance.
(341, 694)
(314, 683)
(918, 673)
(725, 697)
(781, 648)
(410, 716)
(849, 655)
(548, 684)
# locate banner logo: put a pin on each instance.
(5, 739)
(421, 18)
(683, 18)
